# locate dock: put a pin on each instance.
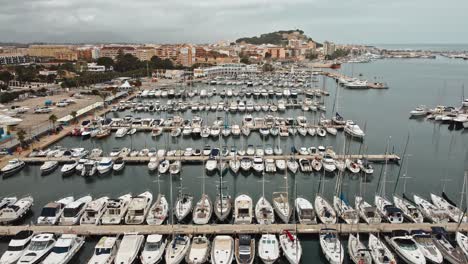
(135, 160)
(230, 229)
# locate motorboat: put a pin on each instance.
(367, 212)
(183, 206)
(345, 211)
(163, 166)
(245, 164)
(69, 168)
(153, 249)
(451, 253)
(129, 248)
(352, 166)
(158, 212)
(89, 168)
(245, 249)
(222, 250)
(119, 164)
(174, 167)
(388, 211)
(66, 247)
(115, 152)
(430, 211)
(280, 164)
(177, 249)
(324, 210)
(12, 166)
(153, 163)
(427, 247)
(291, 247)
(211, 164)
(202, 211)
(380, 253)
(49, 166)
(243, 209)
(264, 212)
(305, 211)
(234, 165)
(331, 246)
(93, 211)
(121, 132)
(15, 210)
(321, 132)
(405, 247)
(105, 165)
(317, 164)
(328, 163)
(293, 165)
(409, 209)
(52, 211)
(138, 208)
(73, 211)
(16, 247)
(258, 165)
(305, 165)
(199, 250)
(282, 206)
(115, 210)
(419, 111)
(357, 251)
(268, 248)
(38, 248)
(353, 130)
(105, 250)
(444, 203)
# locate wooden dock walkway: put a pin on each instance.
(372, 158)
(226, 228)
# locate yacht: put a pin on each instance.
(93, 211)
(268, 249)
(211, 164)
(305, 211)
(69, 168)
(345, 210)
(246, 164)
(158, 212)
(202, 211)
(443, 203)
(64, 249)
(163, 166)
(291, 247)
(258, 165)
(14, 211)
(121, 132)
(12, 166)
(379, 251)
(16, 247)
(386, 209)
(38, 248)
(451, 253)
(357, 251)
(105, 250)
(293, 165)
(430, 211)
(174, 167)
(153, 164)
(235, 165)
(183, 206)
(73, 211)
(324, 210)
(427, 247)
(199, 250)
(52, 211)
(366, 211)
(49, 166)
(138, 208)
(222, 250)
(245, 249)
(119, 164)
(105, 165)
(264, 212)
(410, 211)
(177, 249)
(331, 246)
(353, 130)
(243, 209)
(115, 210)
(89, 168)
(328, 163)
(282, 206)
(419, 111)
(405, 247)
(153, 249)
(129, 248)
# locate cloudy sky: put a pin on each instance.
(202, 21)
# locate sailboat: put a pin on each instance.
(223, 203)
(203, 208)
(263, 210)
(331, 246)
(450, 252)
(344, 210)
(323, 208)
(379, 251)
(177, 249)
(444, 203)
(291, 247)
(183, 204)
(357, 251)
(159, 211)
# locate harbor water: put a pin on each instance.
(436, 161)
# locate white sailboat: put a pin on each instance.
(263, 210)
(357, 251)
(331, 246)
(323, 208)
(343, 209)
(379, 251)
(291, 247)
(203, 208)
(177, 249)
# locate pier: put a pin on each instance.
(229, 229)
(372, 158)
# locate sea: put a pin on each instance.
(435, 156)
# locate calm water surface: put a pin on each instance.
(437, 152)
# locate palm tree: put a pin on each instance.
(53, 118)
(21, 136)
(74, 114)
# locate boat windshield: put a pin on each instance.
(39, 245)
(15, 248)
(48, 211)
(102, 251)
(406, 244)
(152, 246)
(60, 250)
(72, 212)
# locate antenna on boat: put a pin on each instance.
(399, 171)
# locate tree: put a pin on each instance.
(6, 76)
(267, 55)
(74, 114)
(267, 67)
(53, 118)
(245, 60)
(105, 61)
(127, 62)
(21, 136)
(311, 55)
